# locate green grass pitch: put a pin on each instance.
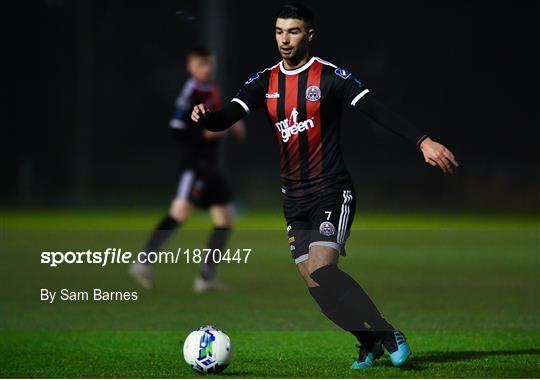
(464, 288)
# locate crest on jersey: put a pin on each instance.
(344, 73)
(327, 228)
(252, 78)
(313, 93)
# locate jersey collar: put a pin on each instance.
(297, 70)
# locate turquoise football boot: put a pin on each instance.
(366, 357)
(398, 348)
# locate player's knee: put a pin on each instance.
(180, 210)
(324, 274)
(222, 216)
(321, 256)
(310, 282)
(178, 216)
(304, 272)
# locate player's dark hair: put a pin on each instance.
(198, 51)
(298, 11)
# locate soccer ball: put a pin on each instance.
(207, 349)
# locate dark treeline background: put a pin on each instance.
(94, 85)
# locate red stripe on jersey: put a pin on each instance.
(314, 134)
(291, 111)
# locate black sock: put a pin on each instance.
(217, 240)
(353, 307)
(366, 337)
(329, 305)
(161, 234)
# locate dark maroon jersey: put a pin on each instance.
(304, 107)
(195, 150)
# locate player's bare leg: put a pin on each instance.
(179, 211)
(222, 218)
(222, 215)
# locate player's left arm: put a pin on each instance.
(357, 95)
(434, 153)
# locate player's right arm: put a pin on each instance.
(218, 120)
(247, 100)
(183, 104)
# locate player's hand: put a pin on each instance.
(200, 110)
(437, 154)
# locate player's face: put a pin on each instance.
(293, 37)
(201, 68)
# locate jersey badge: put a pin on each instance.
(252, 78)
(344, 73)
(313, 93)
(327, 228)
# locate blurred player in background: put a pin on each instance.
(303, 97)
(201, 183)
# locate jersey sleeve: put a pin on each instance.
(182, 108)
(347, 87)
(251, 95)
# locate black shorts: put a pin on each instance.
(323, 219)
(204, 188)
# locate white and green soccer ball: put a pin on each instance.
(207, 349)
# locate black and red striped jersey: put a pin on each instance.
(304, 107)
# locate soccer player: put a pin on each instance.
(201, 183)
(303, 96)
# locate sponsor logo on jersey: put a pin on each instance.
(291, 240)
(252, 78)
(291, 126)
(313, 93)
(289, 227)
(327, 228)
(343, 73)
(273, 95)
